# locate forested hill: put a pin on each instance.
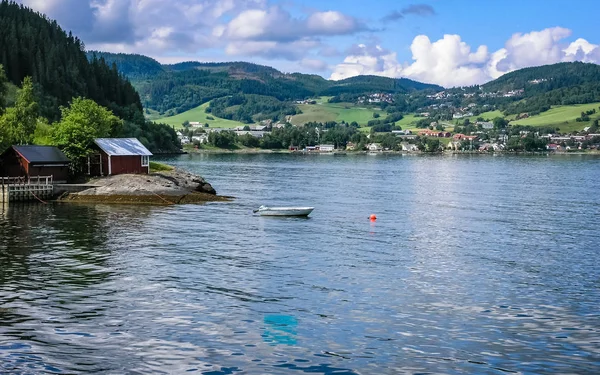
(31, 45)
(544, 86)
(179, 87)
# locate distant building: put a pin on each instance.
(326, 148)
(375, 147)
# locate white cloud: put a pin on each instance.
(250, 28)
(276, 24)
(449, 61)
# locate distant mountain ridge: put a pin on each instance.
(182, 86)
(545, 86)
(175, 88)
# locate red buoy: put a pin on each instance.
(373, 217)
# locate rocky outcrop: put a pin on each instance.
(166, 187)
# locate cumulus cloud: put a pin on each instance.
(450, 61)
(423, 10)
(251, 28)
(276, 24)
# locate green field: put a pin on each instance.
(490, 115)
(562, 117)
(198, 114)
(324, 111)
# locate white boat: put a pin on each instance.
(284, 211)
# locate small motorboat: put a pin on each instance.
(284, 211)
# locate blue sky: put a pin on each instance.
(447, 42)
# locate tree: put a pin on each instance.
(499, 123)
(3, 89)
(375, 115)
(18, 123)
(81, 123)
(186, 124)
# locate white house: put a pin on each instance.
(326, 148)
(195, 124)
(409, 147)
(486, 124)
(375, 147)
(202, 138)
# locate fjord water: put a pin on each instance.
(476, 265)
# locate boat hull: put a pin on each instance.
(285, 211)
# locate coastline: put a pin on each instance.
(263, 151)
(157, 188)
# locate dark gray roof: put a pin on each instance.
(122, 146)
(42, 154)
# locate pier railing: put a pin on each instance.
(36, 180)
(25, 188)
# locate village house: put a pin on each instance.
(118, 156)
(405, 146)
(375, 147)
(350, 146)
(486, 124)
(33, 161)
(202, 138)
(196, 124)
(325, 148)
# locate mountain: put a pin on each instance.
(544, 86)
(33, 45)
(180, 87)
(132, 66)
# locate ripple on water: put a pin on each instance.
(475, 265)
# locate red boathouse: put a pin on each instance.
(119, 156)
(32, 161)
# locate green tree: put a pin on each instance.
(500, 123)
(81, 123)
(432, 145)
(18, 123)
(3, 89)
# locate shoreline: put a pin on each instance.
(157, 188)
(261, 151)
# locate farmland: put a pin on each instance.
(198, 114)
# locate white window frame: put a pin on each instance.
(145, 160)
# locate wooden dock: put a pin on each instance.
(19, 189)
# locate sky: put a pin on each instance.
(445, 42)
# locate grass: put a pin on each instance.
(324, 111)
(159, 167)
(198, 114)
(562, 117)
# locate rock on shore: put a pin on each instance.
(165, 187)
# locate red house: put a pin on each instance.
(33, 161)
(119, 156)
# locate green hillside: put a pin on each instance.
(562, 117)
(338, 112)
(198, 114)
(183, 86)
(34, 46)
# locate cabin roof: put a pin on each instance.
(122, 146)
(42, 154)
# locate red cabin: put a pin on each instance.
(119, 156)
(32, 161)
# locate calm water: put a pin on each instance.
(476, 265)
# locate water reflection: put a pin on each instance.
(448, 280)
(280, 329)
